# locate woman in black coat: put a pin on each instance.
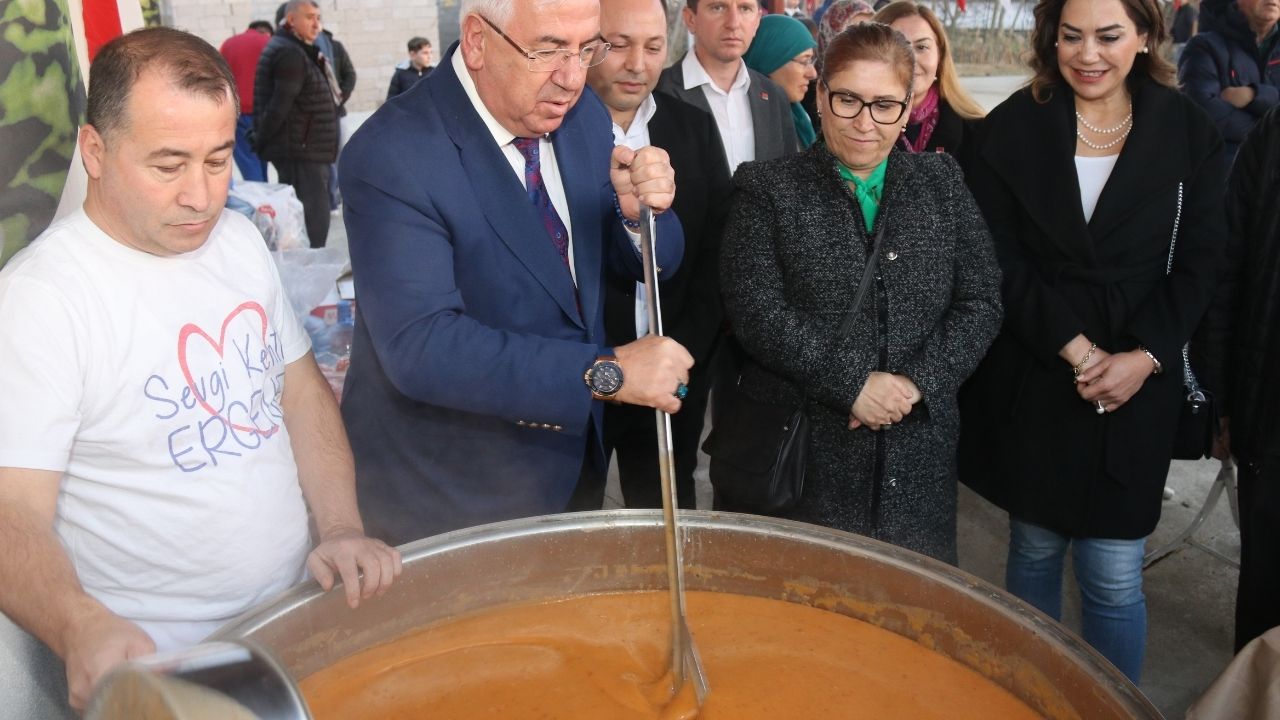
(884, 421)
(1068, 423)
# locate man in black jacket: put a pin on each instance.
(296, 100)
(1232, 67)
(1244, 360)
(691, 311)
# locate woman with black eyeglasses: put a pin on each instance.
(882, 401)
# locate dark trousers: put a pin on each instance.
(252, 167)
(632, 433)
(1258, 597)
(726, 368)
(310, 181)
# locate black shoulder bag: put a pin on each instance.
(1197, 416)
(759, 450)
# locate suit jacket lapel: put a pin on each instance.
(574, 158)
(761, 122)
(499, 193)
(693, 96)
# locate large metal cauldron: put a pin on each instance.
(935, 604)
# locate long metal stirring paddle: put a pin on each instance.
(685, 663)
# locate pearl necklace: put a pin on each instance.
(1127, 120)
(1123, 128)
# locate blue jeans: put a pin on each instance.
(252, 167)
(1109, 572)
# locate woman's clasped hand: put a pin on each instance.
(1113, 379)
(884, 400)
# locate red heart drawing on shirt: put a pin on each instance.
(219, 346)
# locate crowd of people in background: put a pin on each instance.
(1031, 279)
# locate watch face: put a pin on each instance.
(606, 377)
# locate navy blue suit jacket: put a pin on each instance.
(465, 402)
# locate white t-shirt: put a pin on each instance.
(154, 384)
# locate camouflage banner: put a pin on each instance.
(41, 106)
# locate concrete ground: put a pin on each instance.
(1190, 593)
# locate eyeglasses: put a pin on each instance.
(806, 62)
(589, 55)
(849, 106)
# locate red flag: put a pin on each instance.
(94, 23)
(962, 5)
(101, 24)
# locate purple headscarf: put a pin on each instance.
(836, 18)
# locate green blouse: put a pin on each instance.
(867, 191)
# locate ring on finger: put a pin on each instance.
(682, 391)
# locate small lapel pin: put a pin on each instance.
(764, 95)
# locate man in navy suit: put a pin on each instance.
(483, 207)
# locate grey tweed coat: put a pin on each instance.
(794, 251)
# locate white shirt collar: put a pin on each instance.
(696, 75)
(639, 128)
(501, 135)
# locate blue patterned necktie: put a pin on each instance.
(537, 191)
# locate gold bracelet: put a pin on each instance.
(1079, 367)
(1159, 368)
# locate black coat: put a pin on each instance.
(344, 71)
(1242, 331)
(403, 78)
(295, 117)
(793, 254)
(691, 310)
(1028, 442)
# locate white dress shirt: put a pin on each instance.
(635, 137)
(504, 138)
(732, 110)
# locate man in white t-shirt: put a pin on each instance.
(751, 111)
(164, 427)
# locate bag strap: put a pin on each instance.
(872, 260)
(1173, 241)
(1188, 377)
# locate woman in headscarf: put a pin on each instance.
(881, 403)
(783, 49)
(836, 16)
(942, 113)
